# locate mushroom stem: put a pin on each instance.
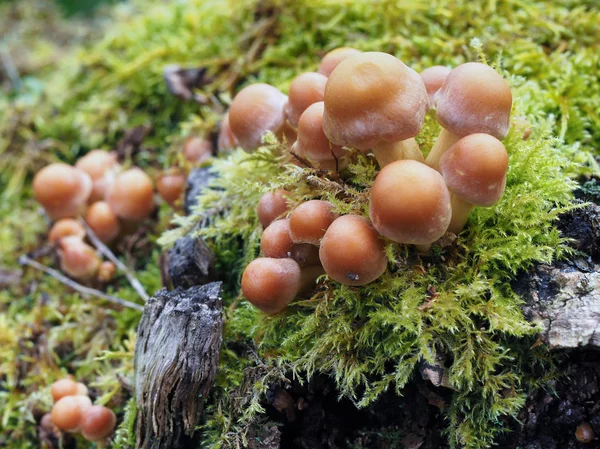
(424, 249)
(308, 278)
(444, 141)
(461, 210)
(386, 152)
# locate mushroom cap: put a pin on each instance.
(371, 98)
(97, 423)
(306, 89)
(82, 390)
(312, 142)
(271, 206)
(474, 99)
(410, 203)
(277, 243)
(103, 221)
(256, 109)
(62, 190)
(64, 387)
(271, 284)
(197, 149)
(46, 423)
(106, 271)
(98, 164)
(78, 259)
(226, 139)
(310, 220)
(131, 195)
(332, 59)
(170, 185)
(433, 78)
(475, 167)
(65, 227)
(68, 411)
(352, 252)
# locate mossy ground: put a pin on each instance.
(109, 80)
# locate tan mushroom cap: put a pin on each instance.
(312, 142)
(433, 78)
(97, 423)
(271, 284)
(410, 203)
(226, 139)
(306, 89)
(271, 206)
(68, 412)
(65, 227)
(107, 271)
(170, 185)
(475, 167)
(65, 387)
(372, 98)
(256, 109)
(103, 221)
(352, 252)
(474, 99)
(78, 259)
(62, 190)
(197, 149)
(131, 195)
(309, 221)
(277, 243)
(332, 59)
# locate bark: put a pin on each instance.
(190, 262)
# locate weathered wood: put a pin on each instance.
(198, 181)
(190, 262)
(176, 359)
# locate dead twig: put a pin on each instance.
(25, 260)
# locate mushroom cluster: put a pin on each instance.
(73, 412)
(371, 102)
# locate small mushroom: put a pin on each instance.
(373, 101)
(226, 139)
(277, 243)
(100, 165)
(62, 190)
(352, 252)
(433, 78)
(312, 142)
(170, 185)
(97, 423)
(256, 109)
(474, 169)
(103, 221)
(106, 271)
(306, 89)
(78, 259)
(410, 203)
(67, 387)
(46, 423)
(310, 220)
(271, 206)
(131, 195)
(584, 433)
(68, 412)
(65, 227)
(473, 99)
(197, 149)
(332, 59)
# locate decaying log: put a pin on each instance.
(176, 359)
(190, 262)
(198, 180)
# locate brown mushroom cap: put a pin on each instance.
(170, 185)
(98, 164)
(68, 411)
(106, 271)
(271, 206)
(277, 243)
(306, 89)
(46, 423)
(352, 252)
(62, 190)
(197, 149)
(312, 142)
(433, 78)
(271, 284)
(475, 167)
(373, 98)
(78, 259)
(309, 221)
(226, 139)
(474, 99)
(410, 203)
(65, 227)
(103, 221)
(97, 423)
(256, 109)
(131, 195)
(332, 59)
(64, 387)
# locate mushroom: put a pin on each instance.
(312, 142)
(67, 387)
(226, 139)
(68, 412)
(474, 169)
(410, 203)
(62, 190)
(78, 259)
(256, 109)
(100, 165)
(46, 423)
(65, 227)
(170, 185)
(352, 252)
(306, 89)
(584, 433)
(310, 220)
(473, 99)
(433, 78)
(106, 271)
(277, 243)
(97, 423)
(131, 195)
(103, 221)
(332, 59)
(375, 102)
(271, 206)
(197, 149)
